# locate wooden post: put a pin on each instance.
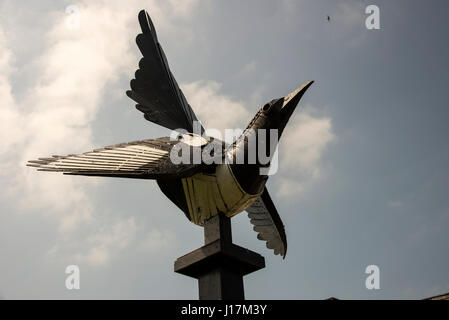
(219, 265)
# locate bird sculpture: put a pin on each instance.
(201, 189)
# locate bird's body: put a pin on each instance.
(207, 193)
(233, 182)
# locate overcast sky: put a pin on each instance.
(363, 177)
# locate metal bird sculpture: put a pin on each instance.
(201, 190)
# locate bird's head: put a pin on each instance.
(276, 113)
(256, 146)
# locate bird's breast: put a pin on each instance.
(209, 193)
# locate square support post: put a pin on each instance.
(219, 265)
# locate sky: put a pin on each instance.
(363, 174)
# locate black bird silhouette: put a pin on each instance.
(201, 190)
(328, 18)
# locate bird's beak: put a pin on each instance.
(291, 101)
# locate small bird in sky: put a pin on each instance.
(328, 18)
(201, 190)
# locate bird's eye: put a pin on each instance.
(267, 107)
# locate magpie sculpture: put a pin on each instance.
(201, 190)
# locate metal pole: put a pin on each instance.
(219, 265)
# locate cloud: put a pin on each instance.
(9, 115)
(182, 7)
(55, 115)
(301, 149)
(57, 112)
(205, 98)
(108, 241)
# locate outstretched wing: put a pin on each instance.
(268, 224)
(154, 87)
(146, 159)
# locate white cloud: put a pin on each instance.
(9, 115)
(157, 239)
(108, 241)
(105, 241)
(302, 146)
(56, 113)
(205, 98)
(182, 7)
(113, 239)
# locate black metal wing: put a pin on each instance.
(154, 87)
(268, 224)
(145, 159)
